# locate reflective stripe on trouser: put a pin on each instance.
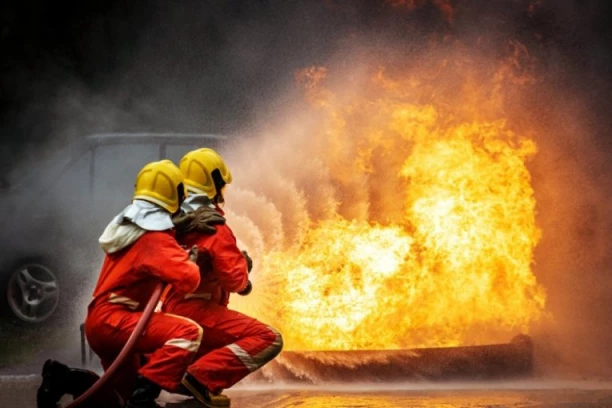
(235, 345)
(256, 361)
(169, 341)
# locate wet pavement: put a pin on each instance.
(19, 392)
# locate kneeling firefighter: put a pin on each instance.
(141, 250)
(235, 345)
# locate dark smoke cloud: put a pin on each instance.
(207, 64)
(73, 68)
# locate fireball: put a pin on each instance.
(419, 231)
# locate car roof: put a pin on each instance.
(142, 137)
(75, 149)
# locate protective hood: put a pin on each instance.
(136, 219)
(118, 236)
(146, 215)
(195, 201)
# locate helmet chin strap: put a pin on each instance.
(219, 184)
(219, 201)
(180, 190)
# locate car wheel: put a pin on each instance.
(32, 293)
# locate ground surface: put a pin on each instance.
(20, 368)
(19, 392)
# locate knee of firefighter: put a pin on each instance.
(276, 342)
(190, 331)
(194, 331)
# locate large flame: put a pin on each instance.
(413, 226)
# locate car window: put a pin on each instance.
(43, 166)
(60, 199)
(115, 170)
(67, 191)
(73, 184)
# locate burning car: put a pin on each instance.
(59, 209)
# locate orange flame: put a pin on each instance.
(414, 224)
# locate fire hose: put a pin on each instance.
(127, 349)
(129, 345)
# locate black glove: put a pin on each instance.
(202, 220)
(249, 261)
(193, 254)
(247, 289)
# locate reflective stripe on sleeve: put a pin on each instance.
(206, 296)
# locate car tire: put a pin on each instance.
(31, 292)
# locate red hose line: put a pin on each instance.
(127, 349)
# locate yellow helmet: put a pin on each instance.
(161, 183)
(205, 172)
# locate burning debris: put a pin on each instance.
(487, 362)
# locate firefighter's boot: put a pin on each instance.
(144, 394)
(203, 394)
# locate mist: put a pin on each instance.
(233, 68)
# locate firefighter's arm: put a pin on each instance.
(170, 263)
(229, 264)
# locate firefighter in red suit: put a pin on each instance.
(141, 250)
(234, 345)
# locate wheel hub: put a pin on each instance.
(33, 293)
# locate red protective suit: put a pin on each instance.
(234, 345)
(126, 283)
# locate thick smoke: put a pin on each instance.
(229, 67)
